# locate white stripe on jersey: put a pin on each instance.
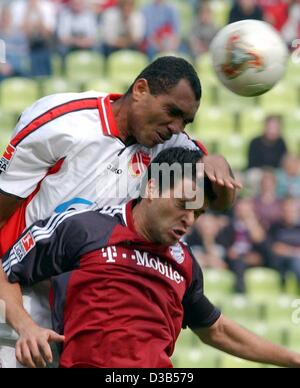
(39, 234)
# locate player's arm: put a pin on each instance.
(8, 205)
(228, 336)
(32, 349)
(48, 248)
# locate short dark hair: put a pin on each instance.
(166, 72)
(179, 156)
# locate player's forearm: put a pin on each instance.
(233, 339)
(11, 295)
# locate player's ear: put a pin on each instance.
(151, 190)
(140, 89)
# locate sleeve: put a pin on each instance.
(54, 246)
(199, 312)
(39, 143)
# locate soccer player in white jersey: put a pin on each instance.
(74, 150)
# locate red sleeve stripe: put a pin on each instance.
(201, 146)
(52, 114)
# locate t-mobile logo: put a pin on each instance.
(2, 51)
(110, 254)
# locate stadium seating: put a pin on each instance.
(83, 65)
(218, 284)
(230, 362)
(105, 85)
(241, 308)
(54, 85)
(262, 283)
(124, 66)
(18, 93)
(279, 309)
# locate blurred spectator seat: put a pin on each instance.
(55, 85)
(7, 123)
(221, 9)
(204, 67)
(104, 85)
(213, 122)
(234, 148)
(230, 362)
(241, 309)
(218, 283)
(124, 66)
(185, 11)
(251, 122)
(262, 282)
(83, 65)
(18, 93)
(196, 357)
(282, 98)
(279, 309)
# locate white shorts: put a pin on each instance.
(36, 303)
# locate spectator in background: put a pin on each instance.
(275, 12)
(289, 177)
(291, 29)
(16, 47)
(269, 149)
(266, 204)
(285, 241)
(162, 28)
(123, 27)
(39, 18)
(245, 9)
(77, 27)
(203, 241)
(203, 31)
(244, 239)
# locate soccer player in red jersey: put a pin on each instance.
(127, 283)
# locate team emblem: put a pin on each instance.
(177, 253)
(7, 158)
(139, 163)
(24, 246)
(240, 58)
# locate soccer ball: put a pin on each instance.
(249, 57)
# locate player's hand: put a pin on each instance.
(218, 170)
(33, 347)
(225, 186)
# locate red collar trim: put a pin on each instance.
(108, 121)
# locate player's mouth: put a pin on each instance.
(163, 137)
(178, 233)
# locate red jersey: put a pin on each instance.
(119, 300)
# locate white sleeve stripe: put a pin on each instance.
(52, 224)
(41, 234)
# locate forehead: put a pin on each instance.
(192, 193)
(183, 97)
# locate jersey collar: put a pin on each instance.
(108, 121)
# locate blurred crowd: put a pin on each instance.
(35, 29)
(264, 227)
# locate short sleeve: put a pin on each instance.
(199, 312)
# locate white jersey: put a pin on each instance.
(67, 153)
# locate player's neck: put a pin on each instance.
(139, 221)
(120, 111)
